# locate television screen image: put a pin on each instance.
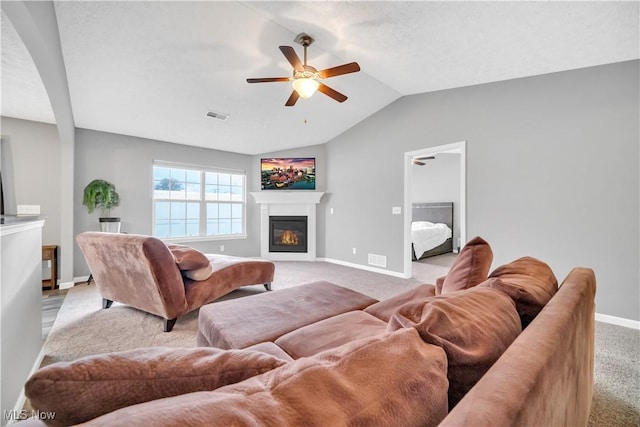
(296, 173)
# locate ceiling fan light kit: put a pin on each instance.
(305, 83)
(306, 79)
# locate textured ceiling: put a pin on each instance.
(153, 69)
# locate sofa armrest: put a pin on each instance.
(546, 376)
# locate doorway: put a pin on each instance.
(459, 207)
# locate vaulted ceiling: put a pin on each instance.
(153, 69)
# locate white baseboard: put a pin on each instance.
(67, 285)
(619, 321)
(79, 279)
(364, 267)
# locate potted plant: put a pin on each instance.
(101, 194)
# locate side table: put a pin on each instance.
(50, 253)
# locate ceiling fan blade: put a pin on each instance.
(292, 57)
(352, 67)
(331, 93)
(269, 79)
(292, 99)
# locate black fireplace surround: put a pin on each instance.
(288, 234)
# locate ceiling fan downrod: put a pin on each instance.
(305, 40)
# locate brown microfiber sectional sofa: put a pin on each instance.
(453, 354)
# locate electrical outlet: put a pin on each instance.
(221, 248)
(396, 210)
(354, 251)
(28, 210)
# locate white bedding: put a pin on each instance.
(426, 235)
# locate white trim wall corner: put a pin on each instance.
(455, 147)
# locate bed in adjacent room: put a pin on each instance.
(431, 229)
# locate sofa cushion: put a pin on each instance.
(474, 327)
(188, 258)
(470, 267)
(92, 386)
(529, 282)
(343, 386)
(330, 333)
(384, 309)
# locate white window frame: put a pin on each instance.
(203, 202)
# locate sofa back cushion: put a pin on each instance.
(390, 379)
(470, 267)
(95, 385)
(474, 327)
(529, 282)
(384, 309)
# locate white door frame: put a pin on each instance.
(456, 147)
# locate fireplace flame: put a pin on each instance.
(288, 237)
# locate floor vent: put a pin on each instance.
(378, 260)
(221, 116)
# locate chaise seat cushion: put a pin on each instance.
(339, 387)
(84, 389)
(474, 327)
(229, 273)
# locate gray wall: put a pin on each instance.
(552, 172)
(439, 181)
(127, 162)
(31, 171)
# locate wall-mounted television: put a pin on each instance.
(292, 173)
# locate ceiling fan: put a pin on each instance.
(417, 160)
(306, 79)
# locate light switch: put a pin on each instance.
(396, 210)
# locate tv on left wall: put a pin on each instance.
(290, 173)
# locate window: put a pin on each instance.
(196, 201)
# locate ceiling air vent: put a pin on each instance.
(221, 116)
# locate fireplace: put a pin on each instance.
(288, 234)
(288, 204)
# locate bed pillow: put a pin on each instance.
(473, 327)
(92, 386)
(470, 267)
(342, 386)
(188, 258)
(529, 282)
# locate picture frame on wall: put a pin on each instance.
(288, 173)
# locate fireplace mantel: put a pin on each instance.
(287, 197)
(288, 202)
